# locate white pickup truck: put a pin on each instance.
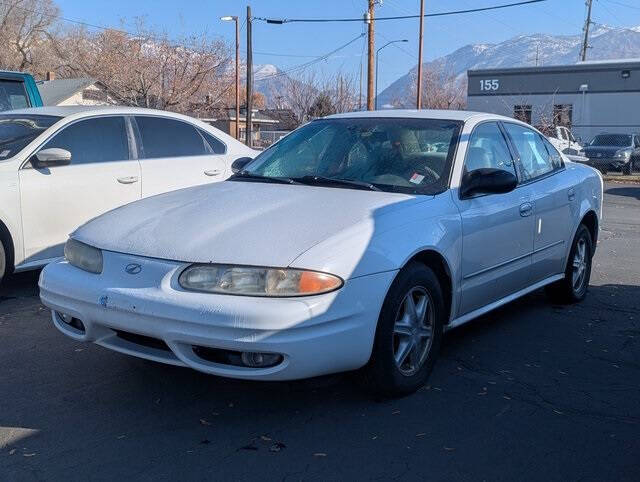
(563, 140)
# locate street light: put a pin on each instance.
(234, 18)
(377, 52)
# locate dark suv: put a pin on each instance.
(614, 151)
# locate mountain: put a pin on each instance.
(521, 51)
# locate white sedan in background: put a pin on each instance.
(61, 166)
(354, 242)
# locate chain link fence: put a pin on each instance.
(613, 150)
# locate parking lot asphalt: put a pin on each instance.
(532, 391)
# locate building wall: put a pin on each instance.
(610, 102)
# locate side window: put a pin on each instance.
(163, 137)
(535, 160)
(217, 147)
(554, 155)
(101, 139)
(488, 148)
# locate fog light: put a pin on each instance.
(71, 321)
(260, 360)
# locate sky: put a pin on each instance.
(290, 45)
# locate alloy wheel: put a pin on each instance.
(579, 266)
(413, 331)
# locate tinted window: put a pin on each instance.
(16, 131)
(102, 139)
(162, 137)
(535, 160)
(12, 95)
(397, 154)
(488, 149)
(217, 147)
(556, 158)
(612, 140)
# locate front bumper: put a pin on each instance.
(150, 316)
(609, 163)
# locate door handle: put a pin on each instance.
(128, 179)
(571, 194)
(526, 209)
(213, 172)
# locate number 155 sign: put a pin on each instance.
(489, 84)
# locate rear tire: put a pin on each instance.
(408, 334)
(573, 287)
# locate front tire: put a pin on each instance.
(628, 168)
(573, 287)
(409, 333)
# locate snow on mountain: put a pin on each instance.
(523, 50)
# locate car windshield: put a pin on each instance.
(614, 140)
(390, 154)
(18, 130)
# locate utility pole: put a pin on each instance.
(237, 130)
(420, 36)
(369, 17)
(229, 18)
(360, 94)
(249, 80)
(587, 24)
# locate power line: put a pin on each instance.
(399, 17)
(311, 62)
(624, 4)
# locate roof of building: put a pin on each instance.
(258, 115)
(55, 91)
(613, 64)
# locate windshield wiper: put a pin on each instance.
(323, 181)
(258, 177)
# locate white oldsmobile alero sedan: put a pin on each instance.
(61, 166)
(352, 243)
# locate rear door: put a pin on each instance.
(497, 228)
(175, 154)
(554, 198)
(102, 176)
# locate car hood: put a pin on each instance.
(237, 222)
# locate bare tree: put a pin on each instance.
(24, 34)
(147, 69)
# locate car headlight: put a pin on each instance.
(623, 153)
(256, 281)
(83, 256)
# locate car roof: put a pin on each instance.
(88, 110)
(459, 115)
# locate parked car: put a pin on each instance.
(562, 139)
(61, 166)
(344, 246)
(18, 90)
(614, 152)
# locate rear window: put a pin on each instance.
(162, 137)
(613, 140)
(16, 131)
(12, 95)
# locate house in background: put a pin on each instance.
(81, 91)
(287, 121)
(225, 120)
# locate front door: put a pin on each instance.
(101, 176)
(497, 229)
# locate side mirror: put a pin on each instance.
(239, 164)
(52, 156)
(487, 181)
